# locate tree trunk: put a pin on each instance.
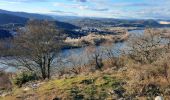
(44, 75)
(49, 63)
(42, 71)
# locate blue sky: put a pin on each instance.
(145, 9)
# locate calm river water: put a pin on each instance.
(66, 56)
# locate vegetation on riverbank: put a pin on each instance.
(96, 39)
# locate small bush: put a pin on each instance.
(91, 92)
(151, 90)
(103, 94)
(24, 78)
(76, 93)
(87, 81)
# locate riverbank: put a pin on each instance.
(95, 39)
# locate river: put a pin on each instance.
(70, 57)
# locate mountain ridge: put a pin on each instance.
(9, 18)
(27, 15)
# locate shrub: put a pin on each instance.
(146, 48)
(91, 92)
(151, 90)
(103, 94)
(24, 77)
(76, 93)
(87, 81)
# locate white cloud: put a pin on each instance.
(77, 6)
(104, 8)
(62, 12)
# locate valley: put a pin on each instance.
(58, 57)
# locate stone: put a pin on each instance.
(123, 69)
(26, 89)
(159, 98)
(121, 99)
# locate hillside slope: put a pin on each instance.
(102, 22)
(82, 87)
(7, 19)
(99, 85)
(27, 15)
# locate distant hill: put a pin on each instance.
(27, 15)
(8, 19)
(106, 22)
(64, 25)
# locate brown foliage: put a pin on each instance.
(37, 46)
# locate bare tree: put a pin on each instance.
(146, 48)
(95, 56)
(112, 54)
(37, 46)
(78, 62)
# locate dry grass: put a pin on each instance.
(96, 38)
(136, 80)
(5, 82)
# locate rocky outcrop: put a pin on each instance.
(159, 98)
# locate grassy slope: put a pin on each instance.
(99, 85)
(63, 88)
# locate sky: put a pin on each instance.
(126, 9)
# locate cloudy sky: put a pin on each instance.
(145, 9)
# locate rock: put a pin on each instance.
(32, 85)
(159, 98)
(26, 89)
(121, 99)
(123, 69)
